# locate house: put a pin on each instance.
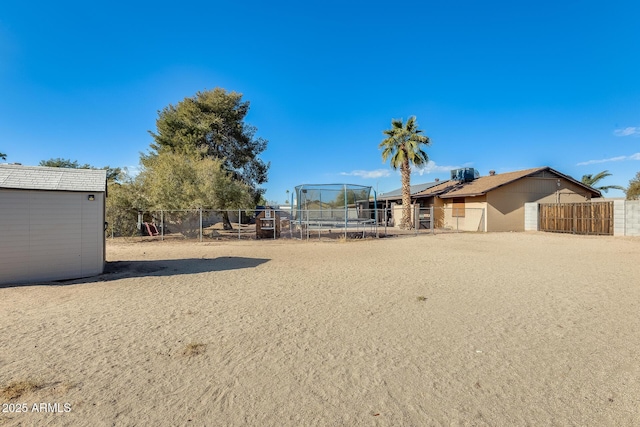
(496, 202)
(51, 223)
(392, 200)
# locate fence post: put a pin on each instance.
(239, 213)
(375, 214)
(431, 220)
(162, 224)
(386, 220)
(484, 220)
(346, 212)
(200, 224)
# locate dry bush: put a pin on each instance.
(15, 389)
(193, 349)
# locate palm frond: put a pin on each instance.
(591, 180)
(606, 188)
(404, 141)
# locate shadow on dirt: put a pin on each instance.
(169, 267)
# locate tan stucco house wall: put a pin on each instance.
(505, 205)
(474, 218)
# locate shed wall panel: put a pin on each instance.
(92, 236)
(14, 229)
(50, 235)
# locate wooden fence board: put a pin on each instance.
(577, 218)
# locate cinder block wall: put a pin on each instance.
(619, 213)
(626, 217)
(632, 218)
(531, 217)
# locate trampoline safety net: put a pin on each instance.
(332, 203)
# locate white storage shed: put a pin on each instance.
(51, 223)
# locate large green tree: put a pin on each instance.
(126, 198)
(592, 180)
(59, 162)
(113, 174)
(633, 192)
(212, 124)
(403, 145)
(175, 181)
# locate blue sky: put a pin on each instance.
(495, 85)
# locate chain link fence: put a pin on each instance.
(285, 223)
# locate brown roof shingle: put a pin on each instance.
(484, 184)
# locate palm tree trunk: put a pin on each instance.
(405, 172)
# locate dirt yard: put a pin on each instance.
(489, 329)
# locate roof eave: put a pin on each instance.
(598, 193)
(455, 196)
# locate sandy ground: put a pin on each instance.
(504, 329)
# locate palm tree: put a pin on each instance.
(592, 180)
(404, 146)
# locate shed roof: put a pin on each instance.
(47, 178)
(484, 184)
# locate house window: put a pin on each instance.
(458, 207)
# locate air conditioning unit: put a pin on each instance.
(464, 174)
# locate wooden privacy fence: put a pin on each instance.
(577, 218)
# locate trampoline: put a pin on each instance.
(341, 207)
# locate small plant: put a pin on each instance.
(421, 298)
(16, 389)
(193, 349)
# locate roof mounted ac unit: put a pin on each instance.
(464, 174)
